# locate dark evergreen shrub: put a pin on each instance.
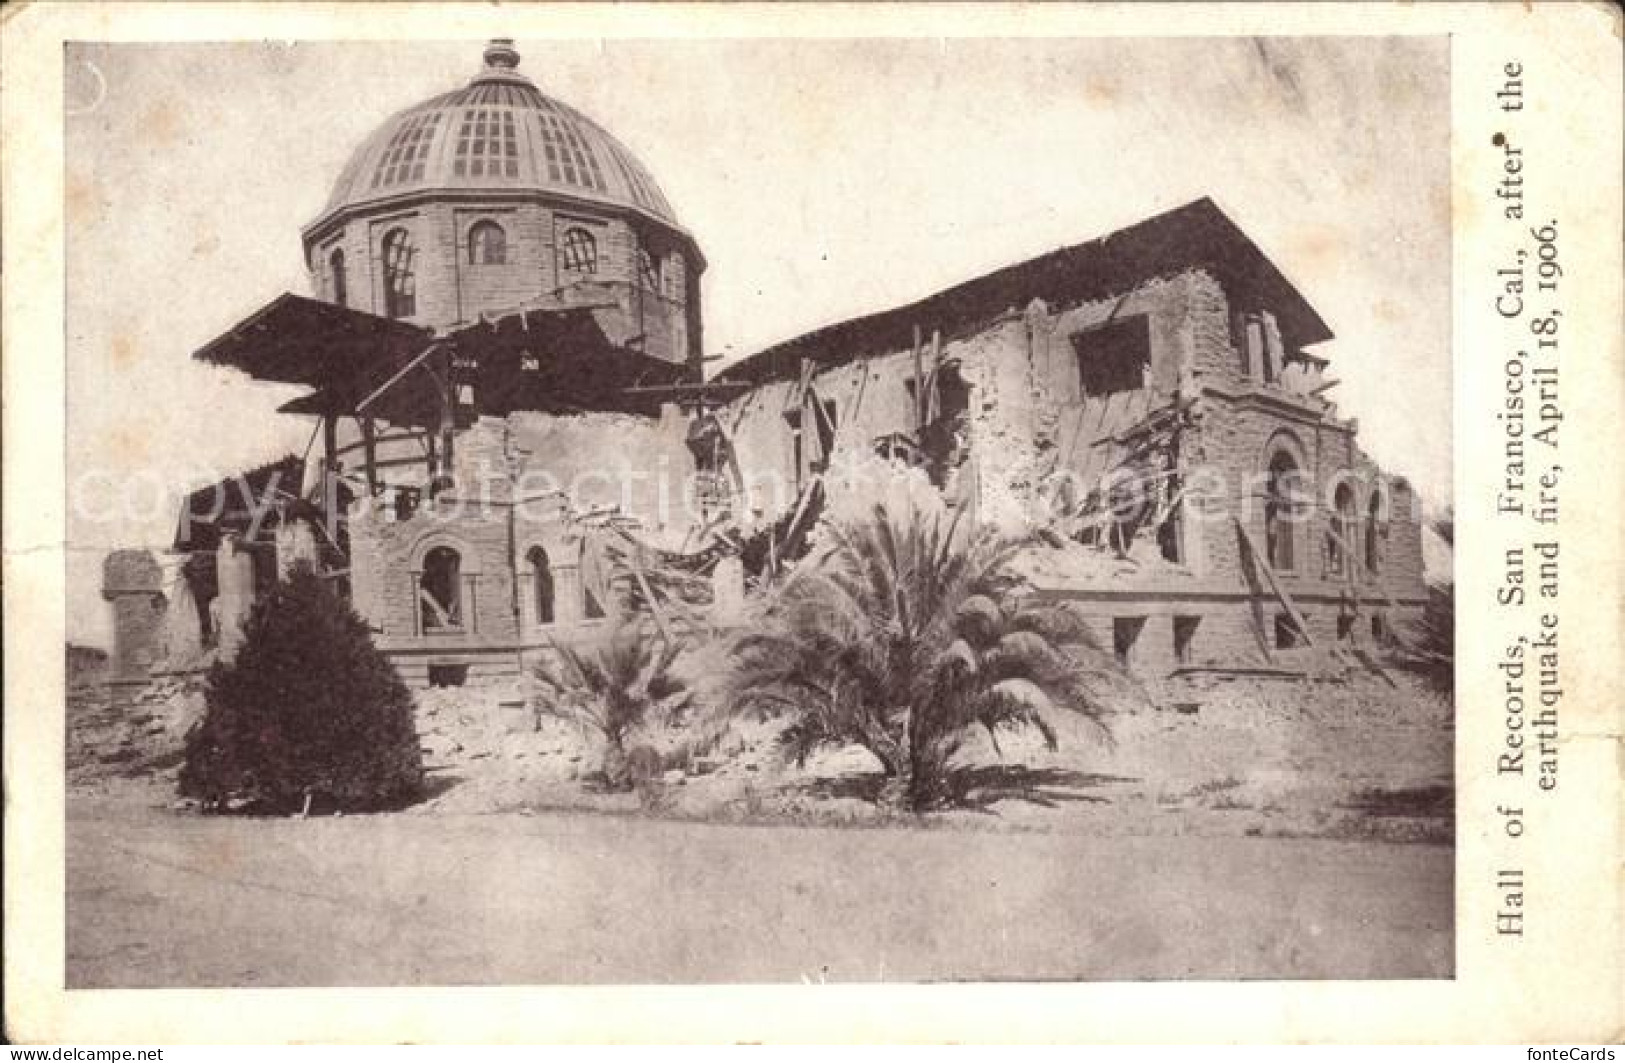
(307, 706)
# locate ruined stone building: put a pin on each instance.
(504, 363)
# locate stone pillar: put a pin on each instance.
(133, 583)
(234, 573)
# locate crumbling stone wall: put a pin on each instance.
(525, 481)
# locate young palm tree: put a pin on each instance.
(611, 686)
(901, 636)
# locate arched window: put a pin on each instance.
(1337, 550)
(400, 278)
(648, 270)
(487, 244)
(578, 251)
(541, 582)
(1373, 534)
(340, 283)
(440, 590)
(1278, 510)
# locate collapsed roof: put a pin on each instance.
(552, 359)
(1197, 234)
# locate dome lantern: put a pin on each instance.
(500, 54)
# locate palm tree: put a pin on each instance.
(611, 686)
(901, 636)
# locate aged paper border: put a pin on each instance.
(1563, 983)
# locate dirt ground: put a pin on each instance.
(1247, 829)
(158, 900)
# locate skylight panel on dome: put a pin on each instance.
(487, 144)
(569, 157)
(408, 150)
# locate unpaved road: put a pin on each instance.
(157, 899)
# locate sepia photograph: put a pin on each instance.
(559, 512)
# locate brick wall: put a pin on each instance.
(386, 556)
(450, 289)
(1234, 444)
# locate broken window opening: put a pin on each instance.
(340, 283)
(541, 584)
(944, 437)
(1373, 535)
(1345, 626)
(1337, 559)
(1287, 634)
(826, 421)
(713, 484)
(448, 675)
(578, 253)
(1278, 513)
(1185, 638)
(591, 607)
(400, 281)
(407, 500)
(1125, 633)
(440, 590)
(1379, 628)
(1114, 357)
(1171, 532)
(487, 244)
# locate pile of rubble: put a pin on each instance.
(130, 731)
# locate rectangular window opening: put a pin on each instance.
(1185, 638)
(1287, 635)
(448, 675)
(1114, 357)
(1125, 633)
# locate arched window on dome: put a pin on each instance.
(648, 270)
(400, 280)
(487, 244)
(339, 282)
(578, 252)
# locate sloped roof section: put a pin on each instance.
(1197, 234)
(297, 340)
(242, 503)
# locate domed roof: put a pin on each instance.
(497, 133)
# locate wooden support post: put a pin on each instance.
(929, 386)
(919, 387)
(330, 439)
(635, 551)
(369, 438)
(1275, 584)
